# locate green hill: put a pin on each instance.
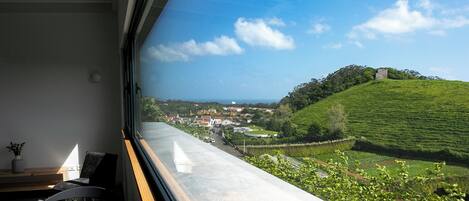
(317, 89)
(413, 115)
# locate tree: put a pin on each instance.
(150, 110)
(260, 118)
(283, 111)
(275, 124)
(315, 133)
(337, 121)
(282, 114)
(318, 89)
(288, 129)
(340, 80)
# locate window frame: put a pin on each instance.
(132, 92)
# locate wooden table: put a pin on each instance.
(30, 180)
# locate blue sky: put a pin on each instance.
(222, 49)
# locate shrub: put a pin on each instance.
(337, 121)
(302, 150)
(340, 184)
(288, 129)
(315, 133)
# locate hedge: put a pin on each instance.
(301, 150)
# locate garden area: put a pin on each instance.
(343, 181)
(369, 161)
(257, 130)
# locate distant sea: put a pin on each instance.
(237, 101)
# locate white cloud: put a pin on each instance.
(401, 19)
(257, 32)
(358, 44)
(456, 11)
(167, 54)
(444, 72)
(222, 45)
(437, 32)
(396, 20)
(276, 22)
(456, 22)
(333, 46)
(319, 28)
(426, 5)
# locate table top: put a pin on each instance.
(26, 188)
(30, 172)
(30, 180)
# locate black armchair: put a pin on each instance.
(97, 178)
(79, 192)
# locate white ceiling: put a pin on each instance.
(57, 1)
(14, 6)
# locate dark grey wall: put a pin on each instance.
(46, 98)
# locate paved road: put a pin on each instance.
(216, 134)
(296, 164)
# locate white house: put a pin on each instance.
(241, 129)
(217, 121)
(227, 122)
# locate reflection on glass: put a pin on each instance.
(327, 96)
(181, 161)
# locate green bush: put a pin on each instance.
(302, 150)
(339, 184)
(315, 133)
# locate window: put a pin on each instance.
(327, 96)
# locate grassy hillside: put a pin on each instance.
(415, 115)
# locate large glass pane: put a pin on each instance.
(346, 100)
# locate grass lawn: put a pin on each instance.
(259, 130)
(368, 162)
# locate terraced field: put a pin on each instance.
(418, 115)
(368, 162)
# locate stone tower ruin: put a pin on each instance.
(381, 74)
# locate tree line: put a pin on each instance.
(317, 89)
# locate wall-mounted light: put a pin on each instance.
(95, 77)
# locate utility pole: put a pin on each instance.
(244, 145)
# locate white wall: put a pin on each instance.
(46, 98)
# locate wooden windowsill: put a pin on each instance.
(142, 183)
